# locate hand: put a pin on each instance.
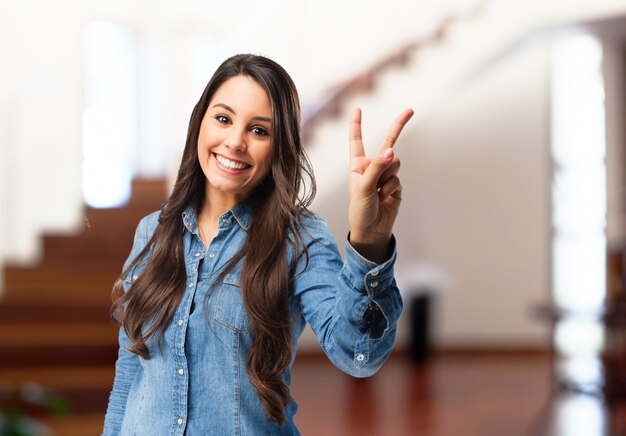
(375, 190)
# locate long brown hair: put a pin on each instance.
(267, 275)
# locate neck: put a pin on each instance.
(214, 206)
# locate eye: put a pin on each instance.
(259, 131)
(223, 119)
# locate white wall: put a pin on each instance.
(480, 179)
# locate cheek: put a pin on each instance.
(202, 156)
(207, 137)
(267, 159)
(204, 145)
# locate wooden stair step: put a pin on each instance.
(54, 298)
(78, 281)
(58, 356)
(148, 191)
(27, 345)
(81, 425)
(57, 293)
(74, 377)
(107, 221)
(65, 310)
(87, 248)
(64, 272)
(66, 334)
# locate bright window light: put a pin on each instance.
(578, 190)
(110, 115)
(580, 415)
(579, 185)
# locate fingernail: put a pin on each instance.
(388, 153)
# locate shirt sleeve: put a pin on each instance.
(352, 306)
(127, 363)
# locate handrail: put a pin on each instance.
(331, 103)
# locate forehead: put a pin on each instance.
(243, 94)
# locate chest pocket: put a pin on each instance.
(229, 308)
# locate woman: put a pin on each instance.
(222, 280)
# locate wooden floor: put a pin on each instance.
(460, 395)
(470, 395)
(452, 395)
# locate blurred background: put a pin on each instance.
(512, 230)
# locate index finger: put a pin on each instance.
(355, 136)
(396, 129)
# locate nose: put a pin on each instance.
(235, 141)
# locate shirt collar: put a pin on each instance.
(241, 212)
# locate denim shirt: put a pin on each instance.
(197, 384)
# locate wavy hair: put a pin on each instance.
(267, 276)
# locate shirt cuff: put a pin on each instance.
(367, 275)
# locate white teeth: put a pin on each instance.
(231, 165)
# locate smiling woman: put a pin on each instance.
(236, 239)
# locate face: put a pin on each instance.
(235, 144)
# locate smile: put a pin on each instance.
(230, 164)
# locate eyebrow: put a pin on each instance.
(228, 108)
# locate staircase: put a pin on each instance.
(55, 328)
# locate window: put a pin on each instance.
(110, 114)
(579, 201)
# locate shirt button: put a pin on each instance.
(181, 372)
(225, 220)
(180, 421)
(360, 357)
(374, 284)
(374, 273)
(180, 322)
(135, 278)
(212, 255)
(197, 254)
(191, 285)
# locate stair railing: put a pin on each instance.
(331, 103)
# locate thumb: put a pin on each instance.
(376, 168)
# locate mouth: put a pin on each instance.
(230, 165)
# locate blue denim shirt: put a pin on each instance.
(198, 384)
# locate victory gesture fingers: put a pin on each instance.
(375, 190)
